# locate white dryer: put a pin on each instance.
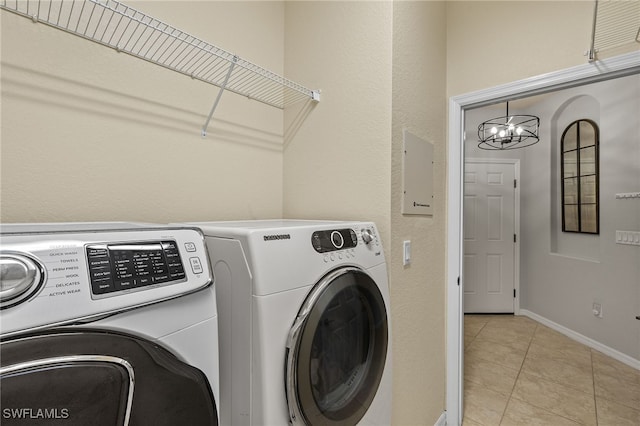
(305, 332)
(107, 324)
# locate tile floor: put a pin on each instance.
(520, 372)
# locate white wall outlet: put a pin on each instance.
(406, 250)
(628, 195)
(597, 309)
(631, 238)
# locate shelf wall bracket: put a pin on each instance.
(591, 53)
(222, 87)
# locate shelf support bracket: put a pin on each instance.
(591, 53)
(215, 103)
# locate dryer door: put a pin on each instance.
(99, 378)
(336, 350)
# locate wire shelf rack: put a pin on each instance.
(616, 23)
(125, 29)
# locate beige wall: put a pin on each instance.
(336, 163)
(89, 134)
(418, 296)
(496, 42)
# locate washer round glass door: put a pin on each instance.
(336, 350)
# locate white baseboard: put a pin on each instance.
(617, 355)
(442, 421)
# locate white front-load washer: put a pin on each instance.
(107, 324)
(305, 334)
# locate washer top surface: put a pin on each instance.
(35, 228)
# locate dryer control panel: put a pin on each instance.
(332, 240)
(65, 273)
(359, 242)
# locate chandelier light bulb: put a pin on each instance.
(494, 130)
(502, 133)
(519, 130)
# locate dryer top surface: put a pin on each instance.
(250, 226)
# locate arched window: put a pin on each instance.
(580, 177)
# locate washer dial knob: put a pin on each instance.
(367, 235)
(337, 240)
(20, 277)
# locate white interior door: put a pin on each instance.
(637, 313)
(490, 236)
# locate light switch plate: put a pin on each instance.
(406, 250)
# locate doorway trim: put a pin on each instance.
(515, 162)
(618, 66)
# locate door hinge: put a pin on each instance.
(515, 239)
(514, 292)
(515, 183)
(458, 280)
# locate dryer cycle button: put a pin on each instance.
(196, 265)
(190, 247)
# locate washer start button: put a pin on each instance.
(196, 265)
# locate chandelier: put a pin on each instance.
(508, 132)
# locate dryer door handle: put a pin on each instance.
(294, 332)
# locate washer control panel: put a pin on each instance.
(59, 275)
(120, 267)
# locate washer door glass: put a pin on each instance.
(337, 350)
